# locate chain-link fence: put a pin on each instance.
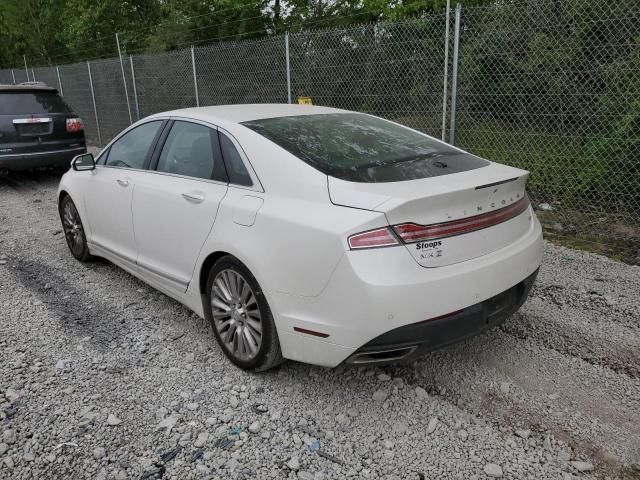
(111, 101)
(242, 72)
(5, 77)
(48, 75)
(77, 87)
(393, 70)
(553, 87)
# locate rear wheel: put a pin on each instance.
(240, 316)
(73, 230)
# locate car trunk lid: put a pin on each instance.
(466, 214)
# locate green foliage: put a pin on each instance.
(554, 88)
(29, 27)
(613, 164)
(195, 21)
(63, 31)
(90, 27)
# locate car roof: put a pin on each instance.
(248, 112)
(28, 86)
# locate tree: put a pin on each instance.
(31, 28)
(64, 31)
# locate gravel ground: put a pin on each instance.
(103, 377)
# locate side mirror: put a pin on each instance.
(83, 162)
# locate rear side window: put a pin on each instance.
(130, 150)
(38, 102)
(362, 148)
(189, 151)
(236, 170)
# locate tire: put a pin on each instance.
(73, 230)
(237, 314)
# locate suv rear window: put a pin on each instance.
(21, 102)
(362, 148)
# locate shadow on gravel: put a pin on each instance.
(34, 179)
(76, 315)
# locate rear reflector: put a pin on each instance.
(311, 332)
(411, 232)
(381, 237)
(74, 125)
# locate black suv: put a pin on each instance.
(37, 128)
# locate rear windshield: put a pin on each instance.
(361, 148)
(16, 103)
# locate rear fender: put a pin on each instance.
(292, 246)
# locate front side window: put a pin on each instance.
(189, 151)
(130, 150)
(362, 148)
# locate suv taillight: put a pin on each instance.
(74, 125)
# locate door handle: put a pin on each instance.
(123, 182)
(193, 197)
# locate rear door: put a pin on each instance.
(110, 190)
(176, 203)
(35, 121)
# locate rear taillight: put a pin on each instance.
(410, 232)
(74, 125)
(381, 237)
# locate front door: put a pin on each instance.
(108, 198)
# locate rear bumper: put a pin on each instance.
(409, 341)
(375, 294)
(26, 161)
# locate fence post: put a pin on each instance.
(13, 76)
(93, 99)
(446, 70)
(454, 77)
(124, 80)
(135, 90)
(195, 76)
(59, 81)
(26, 69)
(286, 53)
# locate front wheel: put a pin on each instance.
(73, 230)
(240, 316)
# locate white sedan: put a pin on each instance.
(308, 233)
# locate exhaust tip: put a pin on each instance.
(386, 355)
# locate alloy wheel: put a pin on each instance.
(236, 315)
(73, 228)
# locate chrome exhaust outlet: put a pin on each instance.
(385, 355)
